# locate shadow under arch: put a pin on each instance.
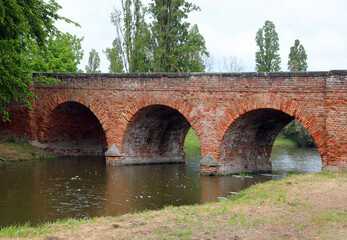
(72, 129)
(254, 123)
(155, 134)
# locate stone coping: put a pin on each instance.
(193, 74)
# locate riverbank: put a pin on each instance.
(13, 150)
(311, 206)
(192, 141)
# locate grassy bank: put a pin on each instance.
(309, 206)
(192, 141)
(283, 141)
(13, 150)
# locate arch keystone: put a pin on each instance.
(113, 151)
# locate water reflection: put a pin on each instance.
(85, 187)
(150, 187)
(50, 190)
(214, 187)
(295, 160)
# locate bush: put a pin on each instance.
(296, 132)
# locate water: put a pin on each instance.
(50, 190)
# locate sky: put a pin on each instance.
(229, 28)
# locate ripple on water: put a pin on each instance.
(67, 187)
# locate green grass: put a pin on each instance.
(13, 150)
(191, 141)
(189, 221)
(28, 231)
(282, 141)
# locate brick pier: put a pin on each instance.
(145, 117)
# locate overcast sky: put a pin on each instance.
(229, 28)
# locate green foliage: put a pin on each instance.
(133, 43)
(297, 133)
(93, 62)
(297, 60)
(178, 48)
(114, 55)
(21, 20)
(267, 57)
(63, 54)
(167, 44)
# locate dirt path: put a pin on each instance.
(299, 207)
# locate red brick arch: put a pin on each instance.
(45, 108)
(276, 102)
(177, 103)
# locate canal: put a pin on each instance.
(49, 190)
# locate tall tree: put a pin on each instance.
(177, 48)
(297, 60)
(133, 36)
(232, 64)
(63, 54)
(294, 130)
(114, 55)
(209, 63)
(93, 62)
(267, 57)
(20, 20)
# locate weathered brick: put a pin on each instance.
(236, 116)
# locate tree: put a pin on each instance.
(114, 55)
(209, 63)
(298, 133)
(232, 64)
(294, 130)
(267, 57)
(177, 48)
(297, 57)
(63, 54)
(20, 20)
(168, 44)
(133, 36)
(93, 62)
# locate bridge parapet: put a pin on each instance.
(147, 115)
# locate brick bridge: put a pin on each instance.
(144, 118)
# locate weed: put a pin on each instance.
(244, 175)
(331, 175)
(281, 197)
(301, 227)
(182, 234)
(157, 231)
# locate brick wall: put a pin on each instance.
(72, 129)
(248, 107)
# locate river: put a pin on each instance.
(50, 190)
